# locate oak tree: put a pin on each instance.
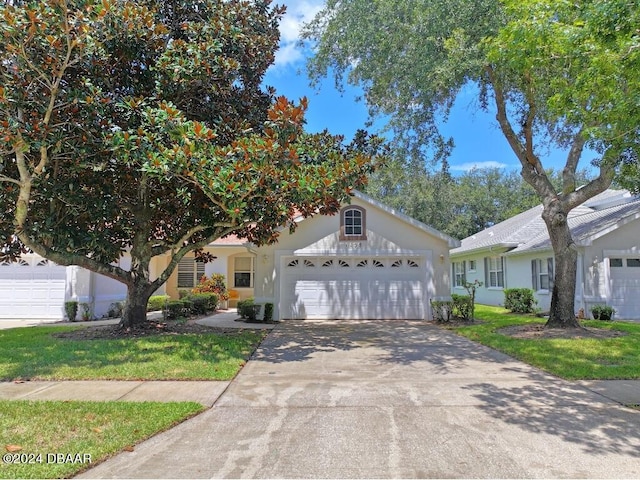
(555, 72)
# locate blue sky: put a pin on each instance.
(478, 141)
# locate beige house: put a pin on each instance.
(517, 253)
(368, 261)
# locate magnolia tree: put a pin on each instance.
(142, 127)
(555, 72)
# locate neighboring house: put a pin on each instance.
(518, 253)
(368, 261)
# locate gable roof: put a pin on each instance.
(452, 242)
(527, 232)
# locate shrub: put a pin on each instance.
(268, 312)
(215, 284)
(71, 309)
(442, 310)
(87, 313)
(248, 310)
(156, 302)
(462, 306)
(602, 312)
(199, 303)
(115, 309)
(519, 300)
(183, 292)
(177, 308)
(243, 307)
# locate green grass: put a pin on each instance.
(35, 354)
(572, 359)
(91, 429)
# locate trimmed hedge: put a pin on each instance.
(519, 300)
(462, 306)
(156, 302)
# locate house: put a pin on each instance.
(369, 261)
(517, 253)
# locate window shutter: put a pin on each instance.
(503, 264)
(464, 272)
(550, 271)
(453, 274)
(534, 274)
(486, 272)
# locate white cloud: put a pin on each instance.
(298, 12)
(465, 167)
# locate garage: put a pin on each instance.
(345, 287)
(625, 285)
(32, 287)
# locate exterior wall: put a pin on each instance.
(386, 234)
(484, 294)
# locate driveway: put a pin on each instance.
(376, 399)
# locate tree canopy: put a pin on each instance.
(554, 72)
(143, 127)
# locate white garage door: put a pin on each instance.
(625, 287)
(353, 288)
(32, 288)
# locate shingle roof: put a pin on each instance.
(527, 231)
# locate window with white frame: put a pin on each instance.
(494, 272)
(472, 266)
(542, 273)
(459, 274)
(190, 271)
(353, 223)
(243, 268)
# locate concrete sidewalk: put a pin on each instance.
(391, 400)
(205, 393)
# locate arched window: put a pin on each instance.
(353, 223)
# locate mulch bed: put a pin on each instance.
(538, 330)
(145, 329)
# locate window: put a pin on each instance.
(458, 274)
(472, 266)
(243, 272)
(190, 271)
(542, 273)
(494, 272)
(633, 262)
(615, 262)
(353, 224)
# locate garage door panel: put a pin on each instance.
(354, 292)
(625, 285)
(34, 288)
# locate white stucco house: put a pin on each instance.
(517, 253)
(368, 261)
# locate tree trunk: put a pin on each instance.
(562, 313)
(139, 286)
(135, 308)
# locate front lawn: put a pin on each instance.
(34, 353)
(571, 358)
(43, 439)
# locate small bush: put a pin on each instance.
(87, 311)
(71, 310)
(244, 306)
(115, 310)
(156, 302)
(268, 312)
(199, 303)
(442, 310)
(602, 312)
(183, 293)
(177, 308)
(462, 306)
(519, 300)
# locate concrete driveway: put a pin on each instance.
(376, 399)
